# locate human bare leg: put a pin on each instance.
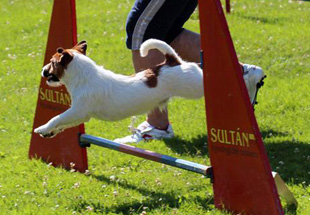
(187, 45)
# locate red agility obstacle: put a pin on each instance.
(243, 181)
(242, 176)
(64, 148)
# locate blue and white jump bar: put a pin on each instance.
(86, 140)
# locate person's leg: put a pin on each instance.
(164, 24)
(157, 118)
(160, 20)
(187, 45)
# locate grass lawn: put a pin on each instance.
(274, 34)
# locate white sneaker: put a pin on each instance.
(145, 131)
(253, 77)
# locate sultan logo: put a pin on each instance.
(55, 96)
(231, 137)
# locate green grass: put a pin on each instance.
(272, 34)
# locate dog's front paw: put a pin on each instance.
(43, 131)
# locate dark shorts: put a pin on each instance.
(158, 19)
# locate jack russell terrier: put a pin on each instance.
(102, 94)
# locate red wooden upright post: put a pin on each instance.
(242, 176)
(62, 150)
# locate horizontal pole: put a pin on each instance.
(86, 140)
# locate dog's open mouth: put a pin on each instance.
(52, 78)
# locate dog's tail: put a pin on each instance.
(162, 47)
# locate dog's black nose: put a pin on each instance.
(45, 72)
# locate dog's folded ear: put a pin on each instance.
(65, 58)
(81, 47)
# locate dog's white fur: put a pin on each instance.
(102, 94)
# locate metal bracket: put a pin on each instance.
(82, 144)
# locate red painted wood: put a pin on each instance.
(242, 176)
(64, 148)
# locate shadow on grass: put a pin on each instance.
(290, 209)
(291, 160)
(264, 20)
(267, 133)
(194, 147)
(153, 200)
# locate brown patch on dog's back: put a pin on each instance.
(153, 73)
(151, 76)
(172, 60)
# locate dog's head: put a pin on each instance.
(55, 70)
